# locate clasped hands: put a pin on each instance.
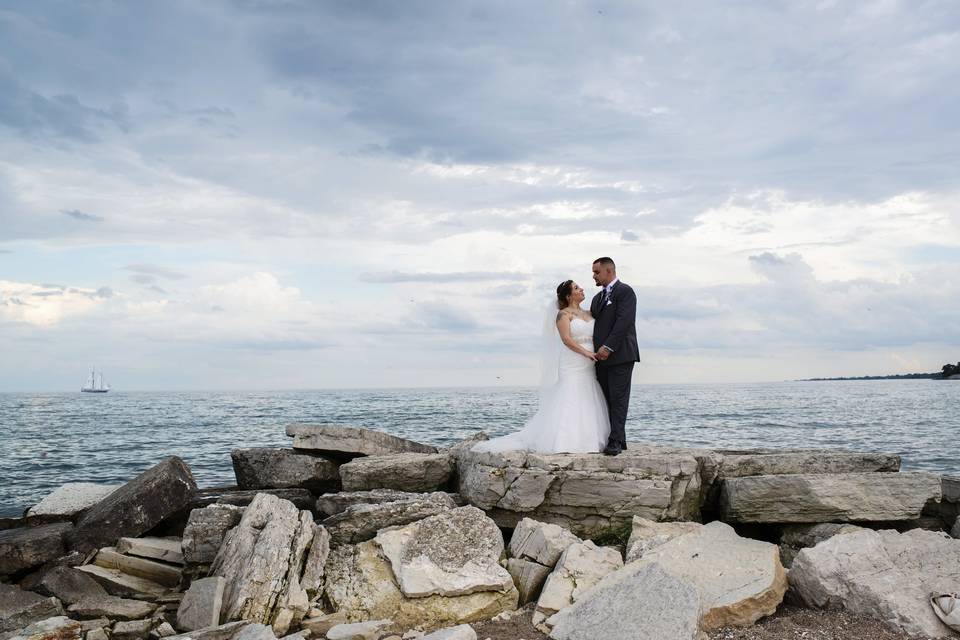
(602, 354)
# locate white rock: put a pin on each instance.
(369, 630)
(580, 567)
(540, 542)
(453, 553)
(71, 498)
(460, 632)
(885, 575)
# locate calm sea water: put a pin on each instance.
(47, 439)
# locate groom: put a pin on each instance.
(615, 343)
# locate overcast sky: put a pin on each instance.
(209, 195)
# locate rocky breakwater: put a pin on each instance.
(351, 533)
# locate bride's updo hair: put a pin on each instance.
(564, 290)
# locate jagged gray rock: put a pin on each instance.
(19, 608)
(647, 534)
(884, 575)
(648, 604)
(201, 604)
(28, 547)
(262, 468)
(453, 553)
(586, 493)
(69, 585)
(345, 443)
(315, 566)
(55, 628)
(106, 606)
(205, 529)
(256, 632)
(362, 521)
(131, 629)
(136, 507)
(415, 472)
(846, 497)
(540, 542)
(227, 631)
(529, 578)
(262, 560)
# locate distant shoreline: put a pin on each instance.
(899, 376)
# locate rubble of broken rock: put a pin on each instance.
(357, 534)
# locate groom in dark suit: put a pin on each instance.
(615, 343)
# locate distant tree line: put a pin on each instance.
(951, 370)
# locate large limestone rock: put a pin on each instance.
(369, 630)
(361, 586)
(846, 497)
(136, 507)
(262, 561)
(362, 521)
(112, 607)
(647, 534)
(227, 631)
(416, 472)
(795, 537)
(768, 462)
(20, 608)
(205, 530)
(165, 549)
(579, 568)
(70, 499)
(529, 578)
(740, 580)
(301, 498)
(28, 547)
(647, 604)
(330, 504)
(450, 554)
(314, 569)
(884, 575)
(540, 542)
(586, 493)
(283, 469)
(346, 443)
(158, 572)
(118, 583)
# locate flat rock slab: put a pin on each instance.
(812, 462)
(740, 580)
(69, 585)
(459, 632)
(362, 521)
(112, 607)
(205, 529)
(369, 630)
(330, 504)
(136, 507)
(131, 629)
(529, 578)
(228, 631)
(159, 572)
(647, 534)
(164, 549)
(284, 469)
(453, 553)
(301, 498)
(19, 608)
(415, 472)
(70, 499)
(121, 584)
(589, 494)
(884, 575)
(55, 628)
(360, 586)
(201, 604)
(29, 547)
(845, 497)
(346, 443)
(647, 604)
(795, 537)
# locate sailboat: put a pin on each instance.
(94, 383)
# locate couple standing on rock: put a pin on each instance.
(587, 366)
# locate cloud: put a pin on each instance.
(76, 214)
(47, 305)
(468, 276)
(149, 272)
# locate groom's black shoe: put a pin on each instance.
(612, 451)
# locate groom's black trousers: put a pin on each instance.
(615, 382)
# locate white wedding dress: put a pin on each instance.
(573, 413)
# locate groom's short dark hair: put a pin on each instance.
(605, 261)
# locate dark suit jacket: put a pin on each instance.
(616, 325)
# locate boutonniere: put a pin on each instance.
(609, 302)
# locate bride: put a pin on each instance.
(573, 413)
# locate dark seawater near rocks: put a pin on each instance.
(52, 438)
